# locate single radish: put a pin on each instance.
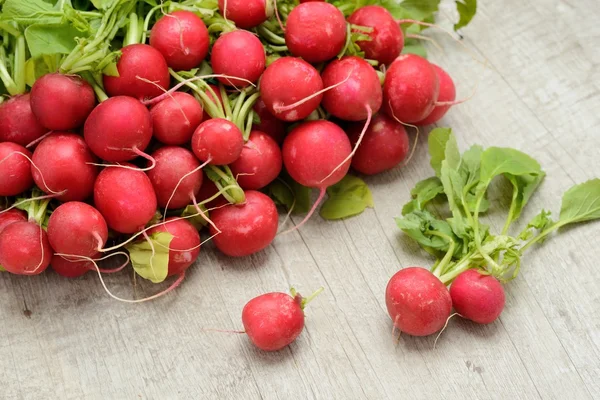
(245, 228)
(71, 268)
(269, 124)
(125, 198)
(288, 81)
(119, 129)
(182, 38)
(10, 216)
(217, 141)
(24, 248)
(15, 169)
(410, 89)
(315, 31)
(240, 54)
(386, 36)
(62, 102)
(18, 124)
(477, 297)
(260, 162)
(246, 14)
(384, 145)
(447, 94)
(175, 118)
(417, 301)
(143, 73)
(63, 161)
(185, 245)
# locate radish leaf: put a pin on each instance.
(581, 203)
(466, 10)
(150, 259)
(350, 196)
(437, 147)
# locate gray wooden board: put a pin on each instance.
(540, 93)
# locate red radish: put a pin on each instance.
(182, 38)
(172, 164)
(384, 145)
(125, 198)
(246, 14)
(477, 297)
(185, 245)
(386, 36)
(143, 73)
(260, 162)
(308, 1)
(315, 31)
(18, 124)
(118, 129)
(447, 94)
(289, 80)
(24, 249)
(77, 228)
(71, 268)
(359, 92)
(10, 216)
(217, 141)
(410, 89)
(62, 102)
(417, 301)
(62, 161)
(268, 123)
(245, 228)
(175, 118)
(240, 54)
(15, 169)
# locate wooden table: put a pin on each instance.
(66, 339)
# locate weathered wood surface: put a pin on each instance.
(62, 339)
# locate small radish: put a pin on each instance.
(447, 94)
(384, 145)
(175, 118)
(217, 141)
(410, 89)
(62, 161)
(18, 124)
(245, 228)
(71, 268)
(24, 249)
(125, 198)
(386, 36)
(143, 73)
(417, 301)
(62, 102)
(270, 125)
(477, 297)
(182, 38)
(315, 31)
(240, 54)
(185, 245)
(15, 169)
(260, 162)
(119, 129)
(288, 81)
(10, 216)
(246, 14)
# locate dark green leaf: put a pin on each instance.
(523, 188)
(350, 196)
(581, 203)
(290, 194)
(419, 225)
(540, 222)
(470, 166)
(150, 259)
(437, 147)
(466, 10)
(50, 39)
(423, 192)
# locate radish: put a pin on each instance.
(125, 198)
(240, 54)
(78, 229)
(119, 129)
(260, 162)
(185, 245)
(15, 169)
(217, 141)
(175, 118)
(315, 31)
(63, 161)
(143, 73)
(62, 102)
(18, 124)
(268, 123)
(288, 81)
(70, 268)
(410, 89)
(246, 14)
(24, 248)
(182, 38)
(10, 216)
(447, 94)
(385, 145)
(246, 228)
(359, 93)
(477, 297)
(172, 164)
(386, 36)
(417, 301)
